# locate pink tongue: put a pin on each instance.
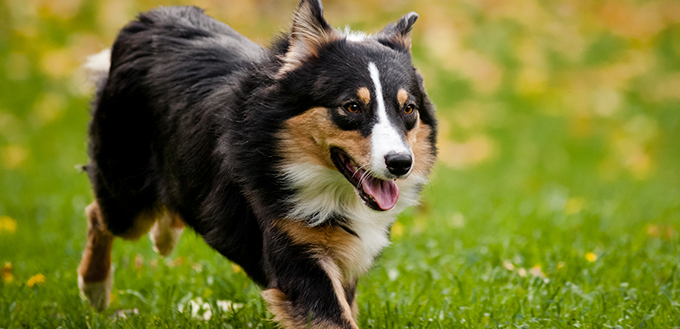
(385, 192)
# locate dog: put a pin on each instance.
(292, 161)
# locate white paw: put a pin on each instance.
(98, 294)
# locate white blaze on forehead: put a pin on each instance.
(384, 137)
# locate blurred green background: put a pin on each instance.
(543, 89)
(559, 139)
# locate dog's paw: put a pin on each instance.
(98, 294)
(165, 233)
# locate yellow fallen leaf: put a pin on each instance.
(591, 257)
(7, 224)
(574, 205)
(36, 279)
(522, 272)
(7, 272)
(537, 271)
(176, 262)
(139, 261)
(397, 230)
(653, 230)
(14, 156)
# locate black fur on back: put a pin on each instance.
(175, 78)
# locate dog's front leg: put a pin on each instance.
(306, 286)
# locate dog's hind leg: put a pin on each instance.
(95, 275)
(165, 232)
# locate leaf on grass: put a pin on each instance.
(7, 272)
(591, 257)
(36, 279)
(7, 224)
(537, 271)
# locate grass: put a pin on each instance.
(556, 203)
(474, 255)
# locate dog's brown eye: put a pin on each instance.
(409, 108)
(352, 107)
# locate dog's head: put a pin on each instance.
(361, 111)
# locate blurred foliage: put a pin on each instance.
(541, 87)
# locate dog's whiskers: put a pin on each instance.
(364, 175)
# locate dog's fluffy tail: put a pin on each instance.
(97, 66)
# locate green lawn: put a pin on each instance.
(555, 204)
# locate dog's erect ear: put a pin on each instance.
(309, 33)
(397, 35)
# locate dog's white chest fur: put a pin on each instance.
(323, 193)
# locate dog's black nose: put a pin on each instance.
(398, 163)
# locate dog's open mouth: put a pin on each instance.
(378, 194)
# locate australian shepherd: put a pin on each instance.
(292, 161)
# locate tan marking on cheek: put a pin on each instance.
(302, 138)
(364, 95)
(307, 138)
(419, 139)
(412, 135)
(357, 146)
(402, 97)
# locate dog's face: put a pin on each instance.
(364, 111)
